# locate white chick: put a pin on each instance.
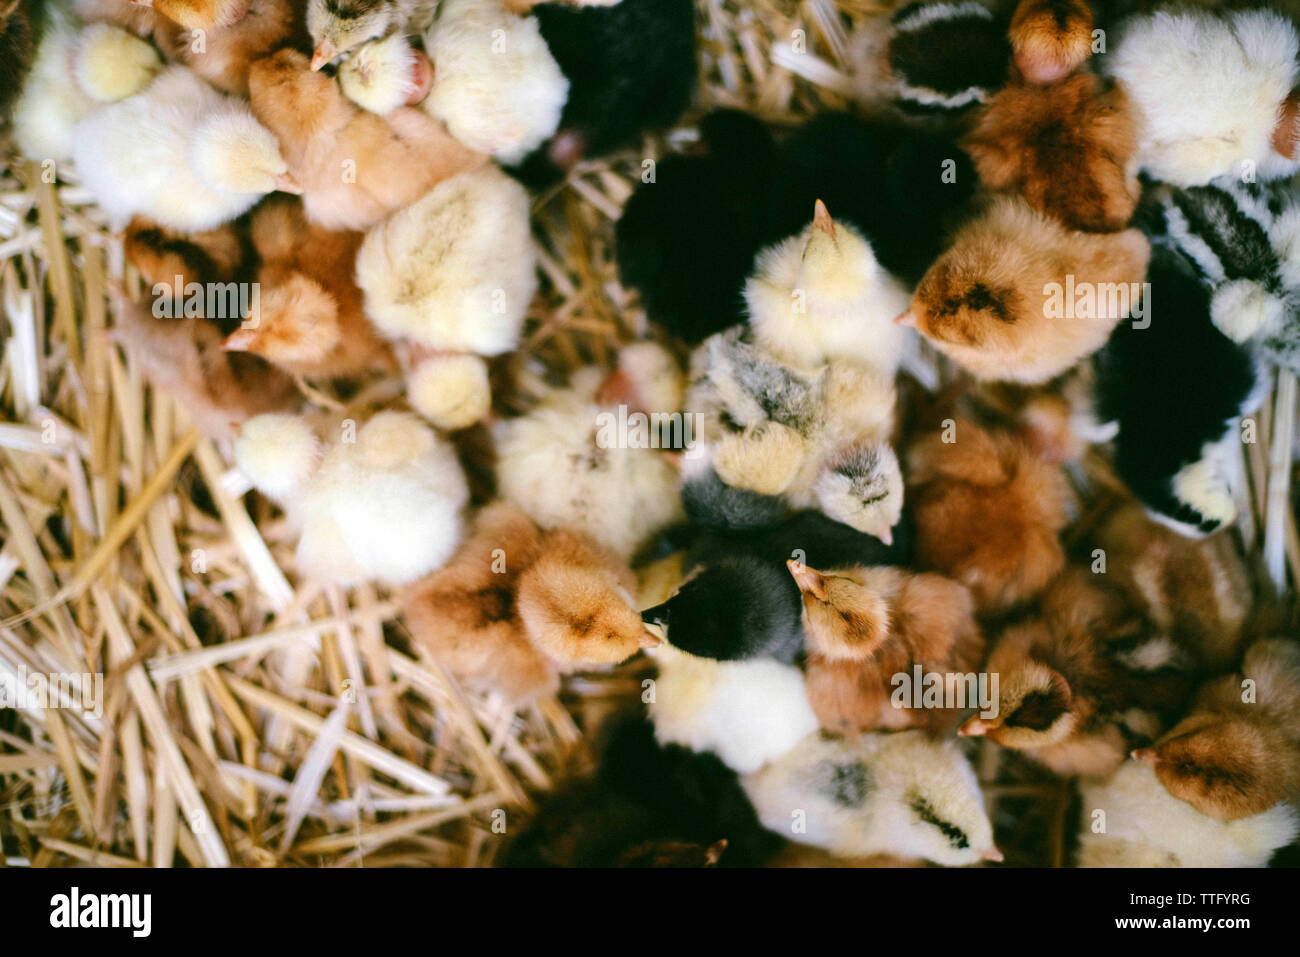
(1212, 93)
(1140, 824)
(179, 153)
(901, 794)
(822, 295)
(74, 72)
(382, 504)
(563, 464)
(338, 26)
(495, 85)
(746, 712)
(382, 75)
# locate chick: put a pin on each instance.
(687, 238)
(203, 14)
(988, 513)
(354, 167)
(179, 153)
(861, 485)
(630, 66)
(710, 502)
(1072, 681)
(1176, 386)
(821, 295)
(309, 318)
(18, 42)
(162, 255)
(338, 26)
(74, 71)
(562, 464)
(1022, 133)
(1238, 753)
(901, 794)
(996, 302)
(1196, 591)
(383, 75)
(228, 51)
(1145, 826)
(1213, 93)
(931, 59)
(746, 712)
(381, 503)
(183, 357)
(865, 625)
(496, 84)
(1050, 38)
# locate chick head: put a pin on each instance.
(450, 390)
(1050, 39)
(112, 64)
(294, 321)
(338, 26)
(382, 75)
(836, 265)
(939, 802)
(235, 153)
(390, 440)
(1218, 766)
(278, 453)
(862, 486)
(648, 379)
(968, 300)
(1034, 709)
(845, 619)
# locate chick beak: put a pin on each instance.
(322, 55)
(992, 854)
(285, 183)
(650, 637)
(974, 728)
(905, 319)
(809, 580)
(241, 340)
(822, 221)
(887, 536)
(1145, 755)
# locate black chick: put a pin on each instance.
(946, 57)
(644, 800)
(630, 66)
(687, 240)
(712, 503)
(904, 189)
(1176, 388)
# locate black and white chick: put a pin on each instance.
(339, 26)
(1175, 387)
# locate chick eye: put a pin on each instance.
(873, 499)
(925, 811)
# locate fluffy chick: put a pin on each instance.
(383, 504)
(822, 295)
(1050, 38)
(1146, 826)
(1070, 680)
(496, 84)
(227, 51)
(338, 26)
(1022, 134)
(988, 513)
(74, 71)
(1238, 753)
(746, 712)
(686, 240)
(354, 167)
(1213, 92)
(183, 357)
(1196, 591)
(310, 319)
(180, 153)
(901, 794)
(383, 75)
(1175, 387)
(630, 66)
(560, 463)
(990, 303)
(864, 625)
(466, 614)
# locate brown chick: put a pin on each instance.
(311, 319)
(1018, 297)
(226, 53)
(575, 602)
(465, 615)
(1050, 38)
(1068, 148)
(1197, 591)
(988, 513)
(866, 624)
(1069, 684)
(203, 14)
(183, 357)
(161, 255)
(355, 167)
(1238, 752)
